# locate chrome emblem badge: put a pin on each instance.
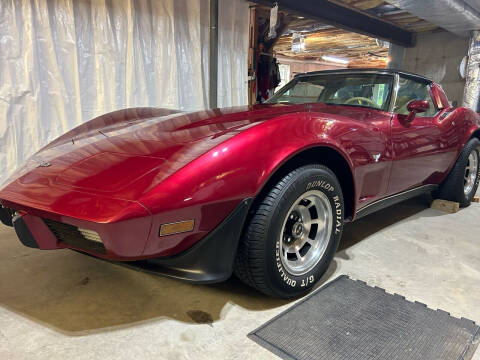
(44, 164)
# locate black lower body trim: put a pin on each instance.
(211, 260)
(6, 216)
(394, 199)
(23, 233)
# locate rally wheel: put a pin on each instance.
(462, 183)
(293, 233)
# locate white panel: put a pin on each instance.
(233, 29)
(63, 62)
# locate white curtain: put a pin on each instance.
(233, 29)
(63, 62)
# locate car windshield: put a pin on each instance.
(365, 90)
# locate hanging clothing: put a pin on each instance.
(268, 76)
(275, 78)
(263, 77)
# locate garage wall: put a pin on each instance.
(438, 56)
(63, 62)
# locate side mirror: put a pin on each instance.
(415, 107)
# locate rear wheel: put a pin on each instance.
(462, 182)
(293, 233)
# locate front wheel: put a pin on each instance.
(293, 233)
(462, 183)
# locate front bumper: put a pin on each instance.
(123, 240)
(210, 260)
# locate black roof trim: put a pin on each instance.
(366, 70)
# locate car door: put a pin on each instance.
(362, 131)
(421, 150)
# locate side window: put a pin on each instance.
(409, 90)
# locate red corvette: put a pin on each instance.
(261, 191)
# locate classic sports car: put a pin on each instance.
(261, 191)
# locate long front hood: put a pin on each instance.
(124, 154)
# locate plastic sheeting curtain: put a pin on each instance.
(233, 29)
(63, 62)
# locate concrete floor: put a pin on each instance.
(61, 305)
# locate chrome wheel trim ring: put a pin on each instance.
(471, 172)
(305, 232)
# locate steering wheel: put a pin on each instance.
(359, 99)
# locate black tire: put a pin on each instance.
(258, 262)
(452, 189)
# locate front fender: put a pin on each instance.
(211, 186)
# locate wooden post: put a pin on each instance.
(252, 61)
(213, 60)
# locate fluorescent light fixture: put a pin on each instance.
(335, 59)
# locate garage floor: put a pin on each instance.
(60, 304)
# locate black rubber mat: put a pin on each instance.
(347, 319)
